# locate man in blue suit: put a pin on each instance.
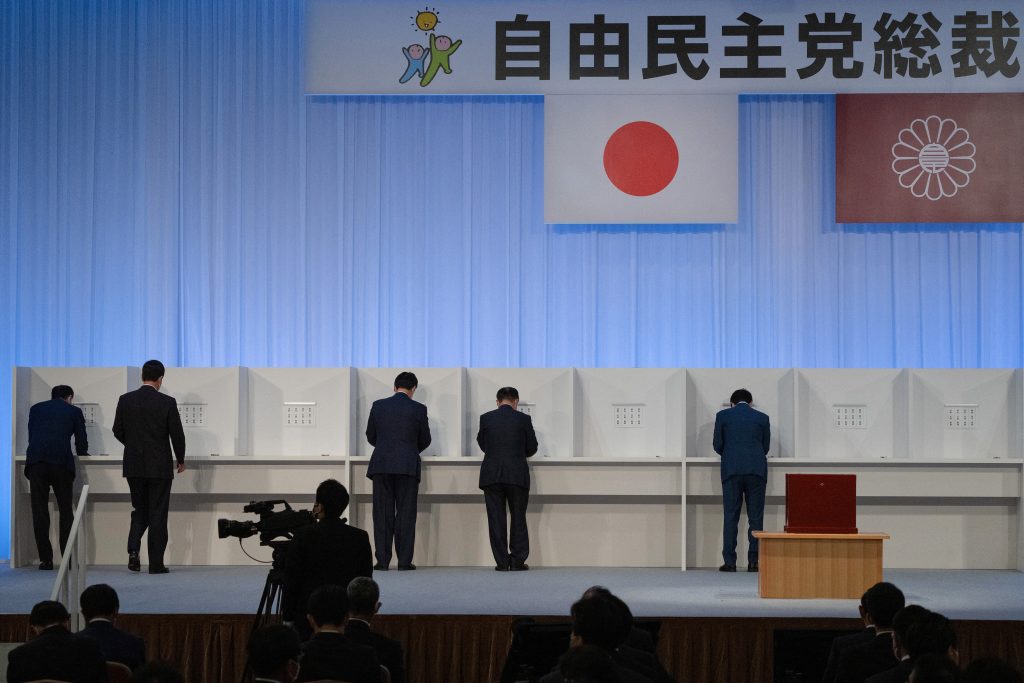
(398, 431)
(742, 437)
(507, 439)
(50, 464)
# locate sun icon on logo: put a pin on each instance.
(426, 19)
(934, 157)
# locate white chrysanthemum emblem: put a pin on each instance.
(934, 157)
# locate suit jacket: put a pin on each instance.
(51, 424)
(898, 674)
(860, 663)
(742, 437)
(327, 552)
(57, 654)
(144, 422)
(507, 439)
(389, 652)
(332, 656)
(841, 644)
(623, 674)
(398, 431)
(115, 644)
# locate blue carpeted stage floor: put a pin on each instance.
(959, 594)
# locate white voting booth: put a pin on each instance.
(625, 474)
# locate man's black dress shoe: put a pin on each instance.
(501, 568)
(727, 568)
(519, 567)
(752, 567)
(46, 565)
(406, 567)
(133, 562)
(159, 570)
(379, 567)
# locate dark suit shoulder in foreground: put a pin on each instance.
(332, 656)
(56, 654)
(116, 645)
(389, 651)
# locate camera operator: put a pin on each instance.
(328, 552)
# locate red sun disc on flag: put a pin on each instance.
(641, 158)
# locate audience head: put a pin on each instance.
(152, 371)
(63, 392)
(587, 664)
(932, 634)
(332, 497)
(99, 600)
(407, 381)
(901, 623)
(881, 602)
(363, 597)
(623, 622)
(327, 606)
(274, 653)
(46, 614)
(741, 396)
(990, 670)
(933, 668)
(595, 622)
(508, 395)
(157, 672)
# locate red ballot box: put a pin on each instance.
(821, 504)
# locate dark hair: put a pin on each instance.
(48, 613)
(935, 668)
(363, 594)
(932, 634)
(328, 605)
(99, 600)
(152, 370)
(905, 618)
(990, 670)
(508, 394)
(882, 601)
(594, 620)
(741, 396)
(271, 647)
(157, 672)
(332, 496)
(406, 380)
(62, 391)
(587, 664)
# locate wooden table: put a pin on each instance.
(818, 565)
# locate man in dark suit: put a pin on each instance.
(148, 424)
(878, 606)
(49, 464)
(917, 631)
(53, 653)
(330, 654)
(100, 606)
(742, 437)
(507, 439)
(398, 431)
(363, 604)
(328, 552)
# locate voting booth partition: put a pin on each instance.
(625, 475)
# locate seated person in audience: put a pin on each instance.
(587, 664)
(990, 670)
(100, 606)
(917, 633)
(934, 668)
(363, 604)
(274, 653)
(329, 654)
(638, 638)
(53, 653)
(157, 672)
(328, 552)
(862, 637)
(855, 664)
(643, 662)
(596, 622)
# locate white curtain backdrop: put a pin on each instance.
(167, 191)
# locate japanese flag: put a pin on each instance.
(640, 159)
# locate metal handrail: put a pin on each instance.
(70, 581)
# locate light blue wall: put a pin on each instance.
(167, 191)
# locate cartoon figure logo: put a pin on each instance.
(426, 62)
